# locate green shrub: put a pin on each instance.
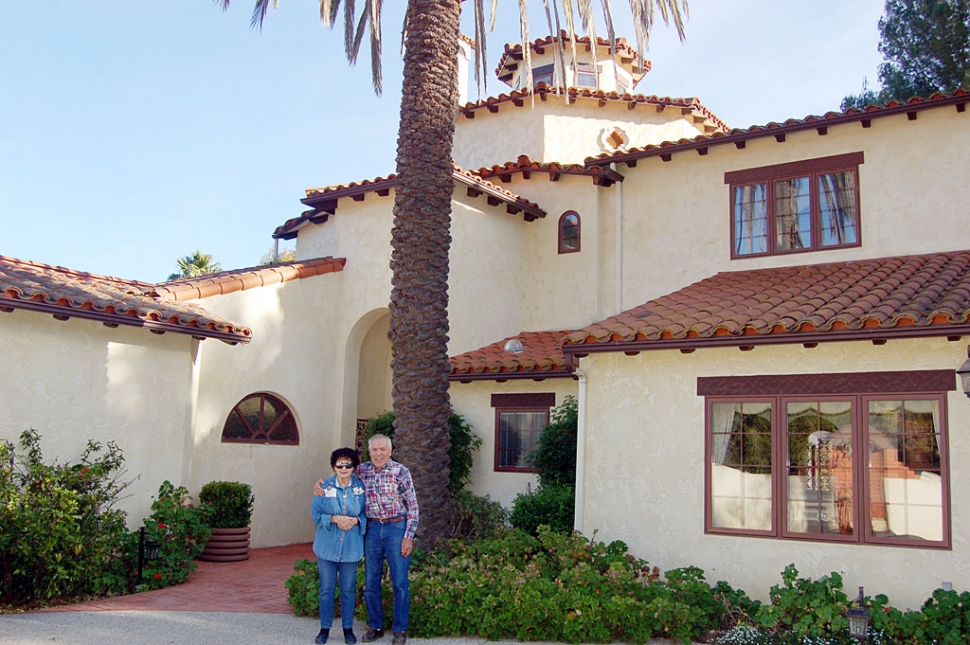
(550, 505)
(555, 454)
(806, 607)
(464, 444)
(230, 504)
(476, 518)
(303, 588)
(60, 537)
(181, 530)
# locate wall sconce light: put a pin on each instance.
(858, 619)
(964, 373)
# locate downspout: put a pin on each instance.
(580, 451)
(618, 251)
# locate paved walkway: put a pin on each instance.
(252, 586)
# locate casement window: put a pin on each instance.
(519, 420)
(586, 75)
(857, 458)
(810, 205)
(569, 232)
(261, 418)
(543, 74)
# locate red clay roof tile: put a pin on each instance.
(919, 295)
(541, 357)
(514, 52)
(65, 293)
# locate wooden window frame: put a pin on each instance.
(859, 389)
(563, 250)
(261, 435)
(810, 168)
(539, 402)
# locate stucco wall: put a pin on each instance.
(78, 380)
(646, 432)
(473, 401)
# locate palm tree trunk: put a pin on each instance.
(420, 240)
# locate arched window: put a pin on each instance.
(261, 418)
(569, 232)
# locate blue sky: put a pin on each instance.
(133, 132)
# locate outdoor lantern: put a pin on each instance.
(147, 551)
(964, 373)
(858, 619)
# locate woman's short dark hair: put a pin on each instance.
(349, 453)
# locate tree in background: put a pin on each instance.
(926, 49)
(277, 256)
(421, 237)
(194, 265)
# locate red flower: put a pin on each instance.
(161, 525)
(84, 471)
(158, 576)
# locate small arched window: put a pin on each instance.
(261, 418)
(569, 232)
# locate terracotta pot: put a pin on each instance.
(227, 545)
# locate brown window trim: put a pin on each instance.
(579, 233)
(808, 167)
(537, 402)
(262, 435)
(923, 385)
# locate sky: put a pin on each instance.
(135, 132)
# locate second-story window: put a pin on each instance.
(807, 205)
(586, 75)
(569, 232)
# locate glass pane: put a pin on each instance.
(741, 465)
(278, 423)
(518, 435)
(569, 236)
(793, 215)
(751, 219)
(820, 474)
(236, 428)
(837, 205)
(906, 486)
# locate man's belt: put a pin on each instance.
(391, 520)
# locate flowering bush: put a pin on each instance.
(181, 530)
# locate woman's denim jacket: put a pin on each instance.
(330, 542)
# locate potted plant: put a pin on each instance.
(229, 506)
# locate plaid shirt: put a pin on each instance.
(390, 493)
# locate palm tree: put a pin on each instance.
(194, 265)
(421, 237)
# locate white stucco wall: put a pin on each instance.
(646, 432)
(473, 401)
(78, 380)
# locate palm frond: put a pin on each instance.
(328, 12)
(259, 12)
(376, 6)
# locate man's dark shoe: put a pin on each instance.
(349, 637)
(400, 638)
(372, 635)
(322, 637)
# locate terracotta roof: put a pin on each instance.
(513, 53)
(601, 175)
(919, 295)
(242, 279)
(518, 98)
(739, 136)
(65, 293)
(541, 357)
(324, 200)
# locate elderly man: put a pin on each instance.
(392, 519)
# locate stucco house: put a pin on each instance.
(761, 326)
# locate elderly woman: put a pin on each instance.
(339, 517)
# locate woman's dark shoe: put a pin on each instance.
(349, 636)
(322, 637)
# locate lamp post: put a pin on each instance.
(858, 619)
(147, 551)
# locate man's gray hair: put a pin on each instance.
(370, 442)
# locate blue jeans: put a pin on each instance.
(383, 542)
(348, 591)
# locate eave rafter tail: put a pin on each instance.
(115, 320)
(573, 352)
